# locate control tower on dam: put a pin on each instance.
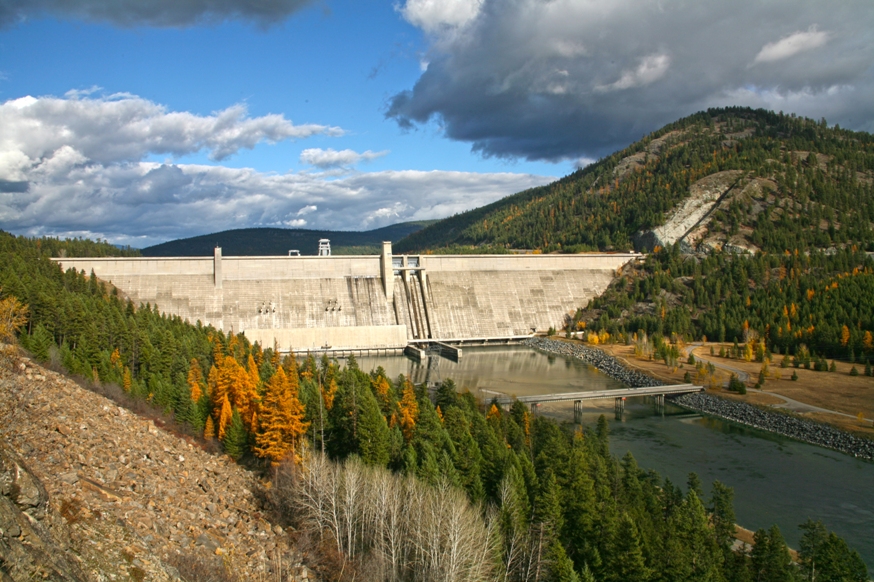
(364, 303)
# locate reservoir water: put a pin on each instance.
(776, 480)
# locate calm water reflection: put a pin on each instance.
(776, 480)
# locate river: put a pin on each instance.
(775, 479)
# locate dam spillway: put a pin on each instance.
(373, 302)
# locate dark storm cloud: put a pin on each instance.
(160, 13)
(572, 78)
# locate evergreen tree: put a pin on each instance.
(625, 562)
(824, 557)
(235, 442)
(374, 438)
(770, 561)
(447, 395)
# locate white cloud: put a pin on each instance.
(437, 15)
(792, 45)
(331, 158)
(55, 179)
(651, 69)
(125, 127)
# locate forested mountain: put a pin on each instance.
(425, 484)
(780, 182)
(253, 242)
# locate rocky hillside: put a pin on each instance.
(734, 178)
(111, 496)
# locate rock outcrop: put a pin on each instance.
(120, 497)
(27, 549)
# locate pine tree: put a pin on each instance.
(722, 516)
(625, 562)
(770, 561)
(825, 557)
(468, 458)
(373, 432)
(236, 437)
(447, 395)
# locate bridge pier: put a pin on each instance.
(578, 412)
(619, 405)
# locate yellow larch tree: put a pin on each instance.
(252, 371)
(126, 380)
(13, 316)
(408, 408)
(845, 335)
(225, 416)
(195, 380)
(868, 341)
(209, 430)
(289, 362)
(381, 389)
(281, 424)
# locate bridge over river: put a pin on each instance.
(619, 395)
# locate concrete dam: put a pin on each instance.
(364, 303)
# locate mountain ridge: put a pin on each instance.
(278, 241)
(789, 168)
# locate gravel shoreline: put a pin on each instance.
(776, 422)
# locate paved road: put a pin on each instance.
(788, 403)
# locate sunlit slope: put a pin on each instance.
(748, 179)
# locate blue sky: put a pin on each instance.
(140, 121)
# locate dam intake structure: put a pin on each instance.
(358, 304)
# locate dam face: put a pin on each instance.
(378, 302)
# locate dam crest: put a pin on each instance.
(364, 303)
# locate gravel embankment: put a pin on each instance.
(597, 358)
(777, 422)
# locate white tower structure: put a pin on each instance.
(324, 247)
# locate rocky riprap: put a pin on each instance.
(791, 426)
(596, 358)
(125, 499)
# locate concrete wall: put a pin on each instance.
(342, 300)
(335, 338)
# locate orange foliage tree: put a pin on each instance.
(281, 420)
(195, 380)
(409, 410)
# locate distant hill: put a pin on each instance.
(745, 179)
(278, 241)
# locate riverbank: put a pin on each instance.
(781, 423)
(778, 422)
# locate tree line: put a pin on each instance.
(801, 304)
